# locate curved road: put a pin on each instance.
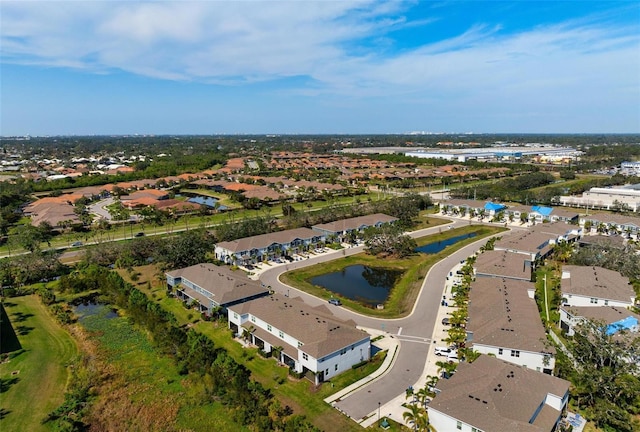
(413, 331)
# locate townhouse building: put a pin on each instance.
(493, 395)
(504, 321)
(595, 286)
(310, 340)
(340, 229)
(266, 247)
(211, 287)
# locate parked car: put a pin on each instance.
(139, 234)
(443, 351)
(77, 243)
(335, 302)
(445, 321)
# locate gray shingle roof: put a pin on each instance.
(503, 264)
(264, 240)
(355, 223)
(494, 395)
(226, 285)
(317, 328)
(501, 314)
(596, 282)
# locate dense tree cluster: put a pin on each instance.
(388, 240)
(604, 372)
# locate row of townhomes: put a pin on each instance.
(510, 386)
(269, 247)
(310, 340)
(504, 213)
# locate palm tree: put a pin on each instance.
(413, 415)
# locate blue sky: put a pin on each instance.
(226, 67)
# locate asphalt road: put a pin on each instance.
(414, 331)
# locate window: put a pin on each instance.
(305, 356)
(336, 367)
(594, 301)
(459, 425)
(269, 327)
(281, 334)
(500, 351)
(235, 315)
(515, 353)
(326, 371)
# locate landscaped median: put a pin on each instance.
(405, 292)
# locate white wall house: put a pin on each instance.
(264, 247)
(312, 340)
(491, 395)
(210, 286)
(504, 321)
(537, 361)
(595, 286)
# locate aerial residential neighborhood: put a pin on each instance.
(319, 216)
(496, 314)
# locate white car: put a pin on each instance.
(445, 351)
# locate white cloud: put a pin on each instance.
(236, 42)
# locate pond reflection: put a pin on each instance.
(368, 285)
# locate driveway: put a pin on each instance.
(98, 208)
(413, 332)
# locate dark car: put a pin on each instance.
(288, 258)
(139, 234)
(78, 243)
(335, 302)
(445, 321)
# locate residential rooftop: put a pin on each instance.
(596, 282)
(265, 240)
(321, 332)
(502, 314)
(493, 395)
(226, 286)
(503, 264)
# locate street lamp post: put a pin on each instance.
(378, 413)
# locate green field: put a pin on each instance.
(34, 379)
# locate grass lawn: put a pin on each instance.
(404, 293)
(34, 380)
(301, 395)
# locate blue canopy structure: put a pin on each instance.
(629, 323)
(545, 211)
(491, 206)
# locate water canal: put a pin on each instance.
(439, 246)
